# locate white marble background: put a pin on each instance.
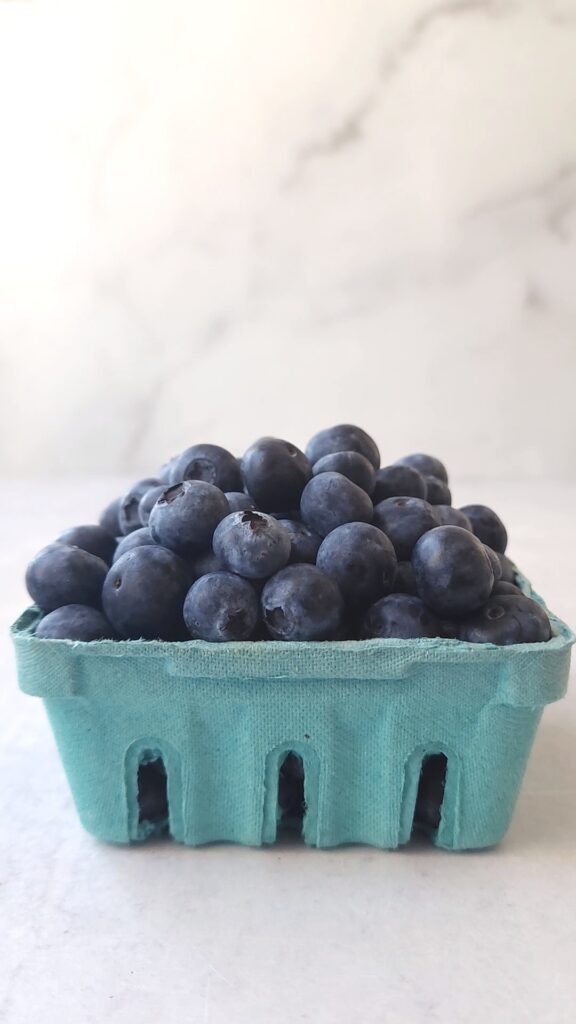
(236, 217)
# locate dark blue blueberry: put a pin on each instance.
(137, 539)
(108, 518)
(185, 516)
(404, 520)
(291, 802)
(148, 501)
(453, 571)
(205, 562)
(402, 616)
(252, 544)
(398, 482)
(431, 785)
(61, 574)
(405, 580)
(153, 808)
(238, 501)
(165, 471)
(343, 438)
(494, 562)
(304, 541)
(437, 491)
(221, 607)
(75, 622)
(449, 628)
(143, 594)
(94, 539)
(293, 514)
(487, 526)
(128, 515)
(507, 619)
(509, 570)
(503, 587)
(350, 464)
(275, 473)
(449, 516)
(302, 603)
(210, 463)
(427, 465)
(361, 560)
(330, 500)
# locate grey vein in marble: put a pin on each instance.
(350, 129)
(557, 192)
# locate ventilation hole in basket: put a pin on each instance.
(291, 803)
(153, 796)
(428, 809)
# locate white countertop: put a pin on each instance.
(227, 935)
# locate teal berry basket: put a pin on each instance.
(362, 716)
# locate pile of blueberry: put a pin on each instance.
(287, 545)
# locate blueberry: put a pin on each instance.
(428, 465)
(453, 571)
(343, 438)
(275, 473)
(220, 607)
(399, 615)
(165, 471)
(210, 463)
(61, 574)
(404, 520)
(330, 500)
(205, 562)
(302, 603)
(293, 515)
(494, 562)
(509, 570)
(251, 544)
(144, 593)
(128, 516)
(350, 464)
(431, 785)
(449, 516)
(304, 542)
(153, 796)
(291, 803)
(503, 587)
(487, 526)
(507, 619)
(449, 628)
(75, 622)
(108, 518)
(94, 539)
(405, 580)
(437, 491)
(185, 516)
(136, 539)
(361, 560)
(398, 481)
(148, 501)
(238, 501)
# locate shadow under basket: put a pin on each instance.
(343, 742)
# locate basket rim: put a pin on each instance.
(22, 632)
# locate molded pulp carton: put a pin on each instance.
(361, 715)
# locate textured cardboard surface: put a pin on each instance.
(362, 715)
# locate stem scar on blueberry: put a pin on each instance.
(254, 520)
(117, 582)
(171, 494)
(275, 617)
(495, 612)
